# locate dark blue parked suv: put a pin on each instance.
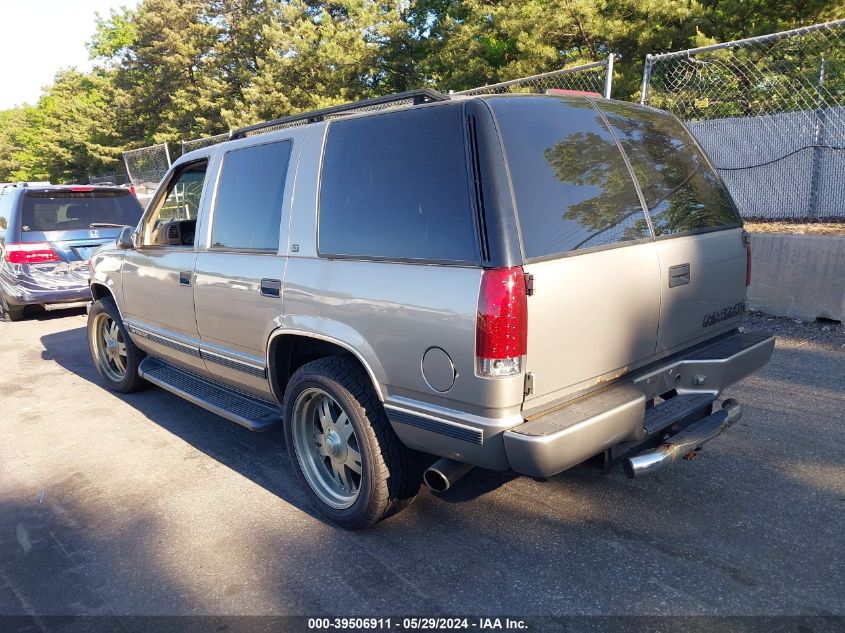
(47, 234)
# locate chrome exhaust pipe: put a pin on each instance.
(656, 459)
(444, 473)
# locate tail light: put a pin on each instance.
(501, 335)
(747, 239)
(132, 190)
(31, 253)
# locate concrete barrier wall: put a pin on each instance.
(799, 276)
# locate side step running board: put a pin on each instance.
(254, 414)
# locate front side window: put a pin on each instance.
(682, 191)
(395, 186)
(572, 188)
(173, 221)
(249, 203)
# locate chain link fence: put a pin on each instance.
(595, 78)
(110, 178)
(146, 166)
(198, 143)
(770, 112)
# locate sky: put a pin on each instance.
(38, 37)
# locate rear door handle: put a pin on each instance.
(271, 287)
(679, 275)
(185, 278)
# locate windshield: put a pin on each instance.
(77, 210)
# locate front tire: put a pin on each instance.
(114, 354)
(342, 447)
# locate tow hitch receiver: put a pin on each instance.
(685, 442)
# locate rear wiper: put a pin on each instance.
(105, 225)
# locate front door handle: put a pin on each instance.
(271, 287)
(185, 278)
(679, 275)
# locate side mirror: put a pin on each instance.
(126, 239)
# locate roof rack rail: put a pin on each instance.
(414, 97)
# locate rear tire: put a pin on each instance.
(342, 447)
(9, 312)
(114, 354)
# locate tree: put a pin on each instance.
(66, 136)
(175, 69)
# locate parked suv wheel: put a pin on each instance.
(8, 312)
(115, 355)
(342, 446)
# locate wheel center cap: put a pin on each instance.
(333, 443)
(111, 343)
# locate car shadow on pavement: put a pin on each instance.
(39, 313)
(261, 457)
(749, 526)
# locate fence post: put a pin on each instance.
(167, 152)
(646, 80)
(608, 79)
(816, 165)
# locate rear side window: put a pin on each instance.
(248, 211)
(395, 186)
(76, 210)
(572, 187)
(682, 192)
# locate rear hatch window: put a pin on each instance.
(573, 190)
(681, 189)
(59, 210)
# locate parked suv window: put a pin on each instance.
(6, 200)
(64, 210)
(395, 185)
(572, 187)
(248, 210)
(682, 192)
(173, 222)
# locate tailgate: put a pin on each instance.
(591, 319)
(702, 287)
(697, 229)
(633, 242)
(68, 218)
(586, 242)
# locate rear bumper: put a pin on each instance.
(681, 444)
(26, 289)
(560, 439)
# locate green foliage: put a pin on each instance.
(115, 35)
(66, 135)
(179, 69)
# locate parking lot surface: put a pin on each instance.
(146, 504)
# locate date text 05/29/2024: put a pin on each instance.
(417, 624)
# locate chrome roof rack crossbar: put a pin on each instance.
(413, 97)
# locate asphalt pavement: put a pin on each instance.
(147, 505)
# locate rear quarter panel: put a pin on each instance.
(389, 312)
